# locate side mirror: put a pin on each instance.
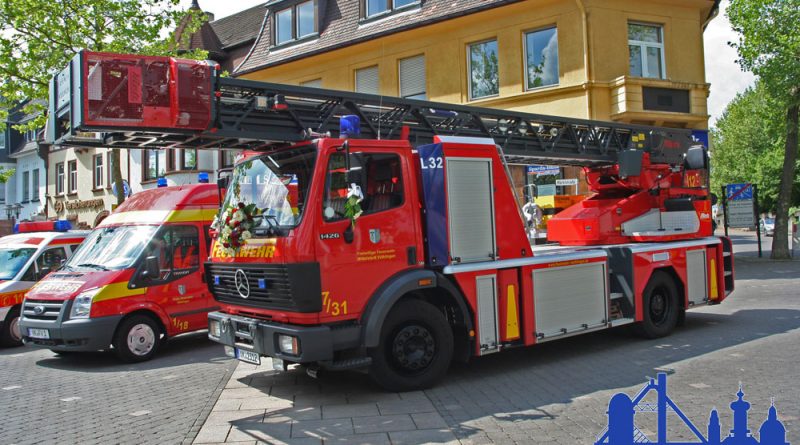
(696, 158)
(151, 269)
(348, 233)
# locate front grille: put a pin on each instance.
(48, 309)
(291, 287)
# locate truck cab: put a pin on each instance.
(25, 258)
(136, 281)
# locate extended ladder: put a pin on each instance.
(125, 101)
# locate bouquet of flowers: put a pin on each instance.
(235, 228)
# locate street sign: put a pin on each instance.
(700, 137)
(562, 182)
(542, 170)
(736, 192)
(741, 214)
(546, 190)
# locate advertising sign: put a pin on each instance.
(563, 182)
(542, 170)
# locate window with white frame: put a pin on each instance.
(376, 7)
(188, 159)
(60, 178)
(98, 171)
(72, 176)
(484, 77)
(367, 80)
(155, 163)
(295, 22)
(35, 185)
(541, 58)
(26, 186)
(412, 77)
(646, 46)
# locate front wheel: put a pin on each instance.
(10, 335)
(660, 305)
(137, 339)
(415, 349)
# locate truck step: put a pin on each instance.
(350, 363)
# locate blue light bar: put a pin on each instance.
(202, 177)
(162, 182)
(349, 125)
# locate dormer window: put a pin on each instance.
(374, 8)
(295, 22)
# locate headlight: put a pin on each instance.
(289, 344)
(82, 305)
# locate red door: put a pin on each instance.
(384, 238)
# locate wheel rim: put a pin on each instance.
(16, 335)
(413, 349)
(141, 339)
(659, 306)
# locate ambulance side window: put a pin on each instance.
(50, 260)
(177, 250)
(74, 247)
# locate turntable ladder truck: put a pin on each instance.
(433, 264)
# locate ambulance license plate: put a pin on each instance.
(247, 356)
(39, 333)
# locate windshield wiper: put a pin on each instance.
(96, 266)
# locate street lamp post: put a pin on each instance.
(17, 209)
(9, 211)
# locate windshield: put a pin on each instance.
(277, 184)
(12, 259)
(112, 248)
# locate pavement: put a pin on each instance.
(96, 399)
(551, 393)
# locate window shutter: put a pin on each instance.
(367, 80)
(412, 77)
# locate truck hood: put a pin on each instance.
(66, 285)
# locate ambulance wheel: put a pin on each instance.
(415, 349)
(661, 311)
(137, 339)
(10, 335)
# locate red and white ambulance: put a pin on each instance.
(136, 281)
(25, 258)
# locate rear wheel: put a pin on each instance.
(415, 348)
(137, 339)
(10, 335)
(660, 305)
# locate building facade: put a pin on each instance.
(23, 194)
(80, 185)
(629, 61)
(177, 166)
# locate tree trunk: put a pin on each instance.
(116, 174)
(780, 241)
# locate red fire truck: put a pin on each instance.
(384, 234)
(135, 281)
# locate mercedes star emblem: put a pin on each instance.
(242, 285)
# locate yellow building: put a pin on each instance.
(638, 61)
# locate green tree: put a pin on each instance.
(769, 46)
(748, 145)
(39, 37)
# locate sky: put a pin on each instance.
(725, 76)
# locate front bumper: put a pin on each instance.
(317, 343)
(91, 334)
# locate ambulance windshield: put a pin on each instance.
(111, 248)
(276, 183)
(12, 259)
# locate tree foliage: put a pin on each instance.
(769, 46)
(39, 37)
(748, 145)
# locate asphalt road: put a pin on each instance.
(94, 398)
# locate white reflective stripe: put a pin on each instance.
(649, 247)
(367, 80)
(412, 76)
(518, 262)
(464, 140)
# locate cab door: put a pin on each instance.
(178, 287)
(357, 258)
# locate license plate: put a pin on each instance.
(247, 356)
(38, 333)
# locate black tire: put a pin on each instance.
(137, 339)
(415, 349)
(660, 306)
(10, 334)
